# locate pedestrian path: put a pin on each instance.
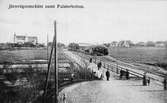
(114, 91)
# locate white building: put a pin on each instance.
(160, 44)
(114, 44)
(124, 44)
(21, 39)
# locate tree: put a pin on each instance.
(150, 44)
(73, 46)
(107, 44)
(60, 45)
(130, 43)
(165, 42)
(50, 44)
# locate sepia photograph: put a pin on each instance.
(83, 51)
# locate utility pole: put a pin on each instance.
(56, 69)
(14, 39)
(47, 49)
(53, 50)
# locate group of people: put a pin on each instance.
(146, 80)
(124, 73)
(98, 71)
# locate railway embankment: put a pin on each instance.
(116, 90)
(137, 70)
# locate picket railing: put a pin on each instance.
(116, 68)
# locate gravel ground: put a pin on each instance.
(113, 91)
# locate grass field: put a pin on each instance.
(146, 55)
(29, 84)
(19, 55)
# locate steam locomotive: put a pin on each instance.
(97, 50)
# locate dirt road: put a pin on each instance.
(114, 91)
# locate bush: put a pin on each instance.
(73, 46)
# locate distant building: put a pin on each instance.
(150, 44)
(141, 44)
(84, 46)
(21, 39)
(32, 39)
(123, 43)
(114, 44)
(160, 44)
(126, 44)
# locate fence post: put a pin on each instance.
(144, 80)
(112, 68)
(148, 81)
(109, 67)
(117, 69)
(165, 85)
(104, 65)
(127, 74)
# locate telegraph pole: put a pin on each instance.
(47, 48)
(14, 39)
(53, 50)
(56, 69)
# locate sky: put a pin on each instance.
(100, 21)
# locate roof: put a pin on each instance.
(85, 44)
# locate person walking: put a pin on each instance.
(165, 84)
(127, 74)
(72, 77)
(121, 74)
(107, 74)
(99, 65)
(92, 67)
(144, 80)
(100, 70)
(64, 98)
(148, 81)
